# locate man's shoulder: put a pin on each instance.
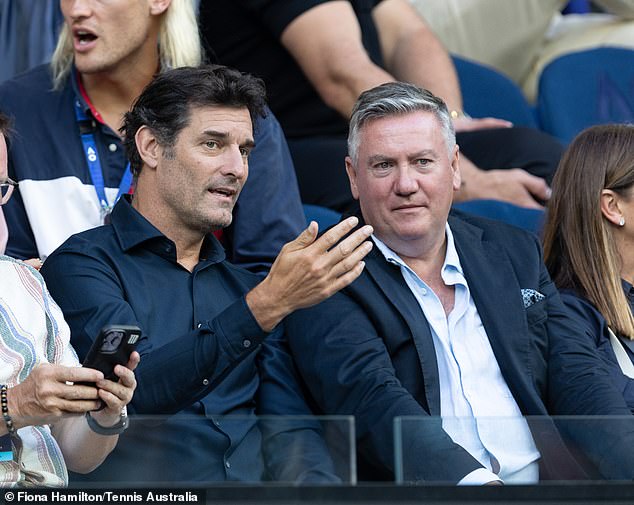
(31, 99)
(11, 268)
(36, 80)
(90, 242)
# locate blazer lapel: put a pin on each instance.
(390, 281)
(497, 296)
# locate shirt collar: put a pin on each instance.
(451, 263)
(82, 97)
(132, 230)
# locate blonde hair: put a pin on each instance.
(179, 42)
(579, 247)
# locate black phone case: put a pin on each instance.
(112, 347)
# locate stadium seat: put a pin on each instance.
(528, 219)
(325, 217)
(585, 88)
(487, 92)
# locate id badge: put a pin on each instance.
(105, 215)
(6, 448)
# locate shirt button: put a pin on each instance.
(205, 382)
(246, 343)
(112, 147)
(227, 464)
(423, 291)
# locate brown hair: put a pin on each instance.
(5, 124)
(579, 247)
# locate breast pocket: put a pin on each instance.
(536, 313)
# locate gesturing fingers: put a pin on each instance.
(348, 262)
(335, 234)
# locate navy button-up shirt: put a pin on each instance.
(198, 348)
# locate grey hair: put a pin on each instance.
(179, 42)
(396, 98)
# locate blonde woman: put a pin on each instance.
(589, 242)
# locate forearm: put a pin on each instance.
(412, 52)
(420, 59)
(332, 55)
(83, 449)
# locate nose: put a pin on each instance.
(235, 163)
(405, 183)
(76, 9)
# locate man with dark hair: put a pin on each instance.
(68, 155)
(454, 317)
(157, 266)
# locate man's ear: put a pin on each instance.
(158, 7)
(610, 206)
(455, 167)
(352, 177)
(148, 147)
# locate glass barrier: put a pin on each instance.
(181, 451)
(524, 451)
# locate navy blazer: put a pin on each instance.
(368, 351)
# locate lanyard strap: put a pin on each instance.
(86, 128)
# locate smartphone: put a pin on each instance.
(112, 347)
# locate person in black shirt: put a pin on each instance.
(317, 56)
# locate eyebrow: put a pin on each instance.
(378, 158)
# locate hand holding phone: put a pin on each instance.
(112, 347)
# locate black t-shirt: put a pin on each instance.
(245, 34)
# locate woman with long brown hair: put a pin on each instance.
(589, 242)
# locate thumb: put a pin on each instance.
(307, 237)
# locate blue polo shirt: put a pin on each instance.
(198, 348)
(56, 197)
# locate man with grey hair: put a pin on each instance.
(454, 317)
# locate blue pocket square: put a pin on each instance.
(531, 297)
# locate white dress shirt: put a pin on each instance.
(477, 408)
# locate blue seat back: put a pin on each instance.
(528, 219)
(489, 93)
(585, 88)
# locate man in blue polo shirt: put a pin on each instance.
(67, 154)
(158, 266)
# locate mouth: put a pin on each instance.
(408, 206)
(83, 38)
(224, 192)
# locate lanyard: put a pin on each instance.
(86, 128)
